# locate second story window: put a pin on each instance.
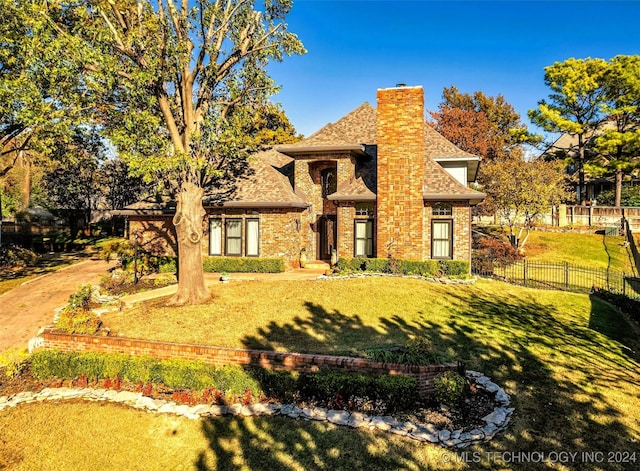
(328, 181)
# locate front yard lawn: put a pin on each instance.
(569, 362)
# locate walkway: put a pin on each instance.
(28, 307)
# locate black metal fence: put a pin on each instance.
(564, 276)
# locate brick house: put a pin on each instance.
(373, 184)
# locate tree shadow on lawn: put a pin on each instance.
(280, 443)
(572, 387)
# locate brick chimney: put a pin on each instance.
(401, 155)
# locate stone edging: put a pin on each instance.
(495, 422)
(442, 280)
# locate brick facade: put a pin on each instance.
(384, 157)
(401, 154)
(220, 356)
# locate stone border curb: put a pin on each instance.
(443, 280)
(495, 422)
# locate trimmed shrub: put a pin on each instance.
(449, 387)
(14, 361)
(243, 265)
(428, 268)
(175, 373)
(341, 389)
(78, 321)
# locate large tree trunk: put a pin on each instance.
(188, 223)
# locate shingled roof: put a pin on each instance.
(264, 187)
(359, 128)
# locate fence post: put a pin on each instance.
(524, 273)
(566, 275)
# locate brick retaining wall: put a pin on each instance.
(220, 356)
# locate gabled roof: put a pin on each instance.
(353, 190)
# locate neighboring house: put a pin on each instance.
(566, 147)
(373, 184)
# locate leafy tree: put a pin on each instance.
(37, 102)
(630, 196)
(519, 191)
(118, 188)
(73, 184)
(174, 86)
(481, 125)
(619, 142)
(574, 106)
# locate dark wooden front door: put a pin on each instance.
(328, 236)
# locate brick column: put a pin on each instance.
(401, 156)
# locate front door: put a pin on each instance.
(328, 236)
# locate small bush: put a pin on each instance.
(243, 265)
(81, 299)
(12, 256)
(489, 252)
(628, 305)
(449, 387)
(341, 389)
(14, 361)
(78, 321)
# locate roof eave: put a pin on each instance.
(472, 198)
(352, 197)
(299, 151)
(263, 204)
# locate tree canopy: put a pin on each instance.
(174, 85)
(597, 103)
(482, 125)
(519, 191)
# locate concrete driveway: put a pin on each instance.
(27, 308)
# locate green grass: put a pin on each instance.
(569, 362)
(590, 250)
(95, 437)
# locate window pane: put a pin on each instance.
(234, 228)
(361, 245)
(252, 237)
(215, 237)
(441, 249)
(361, 229)
(233, 235)
(441, 239)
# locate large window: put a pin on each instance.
(253, 237)
(231, 235)
(441, 239)
(363, 238)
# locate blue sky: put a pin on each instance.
(356, 47)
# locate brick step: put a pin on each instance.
(317, 265)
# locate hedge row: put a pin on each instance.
(337, 389)
(243, 265)
(405, 267)
(214, 264)
(175, 373)
(341, 389)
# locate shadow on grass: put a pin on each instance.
(283, 444)
(574, 389)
